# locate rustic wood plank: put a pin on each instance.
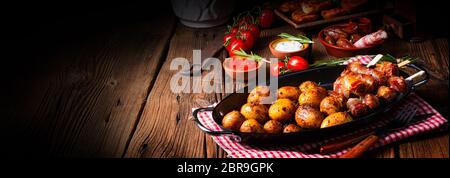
(165, 129)
(85, 100)
(425, 147)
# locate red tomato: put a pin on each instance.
(248, 38)
(236, 44)
(228, 38)
(266, 18)
(297, 63)
(277, 68)
(254, 29)
(247, 19)
(234, 30)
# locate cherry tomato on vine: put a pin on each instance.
(248, 38)
(254, 29)
(266, 18)
(227, 40)
(296, 63)
(234, 30)
(277, 68)
(236, 44)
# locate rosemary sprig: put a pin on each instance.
(299, 38)
(340, 61)
(251, 56)
(328, 62)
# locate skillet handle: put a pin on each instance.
(202, 127)
(424, 80)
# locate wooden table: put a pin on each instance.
(104, 92)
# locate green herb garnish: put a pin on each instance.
(252, 56)
(299, 38)
(340, 61)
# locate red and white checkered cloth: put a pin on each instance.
(238, 150)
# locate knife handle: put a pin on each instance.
(345, 142)
(361, 147)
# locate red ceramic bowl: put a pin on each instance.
(237, 74)
(345, 52)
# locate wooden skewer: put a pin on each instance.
(375, 60)
(401, 64)
(415, 75)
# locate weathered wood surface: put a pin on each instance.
(164, 130)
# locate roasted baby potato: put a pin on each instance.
(258, 94)
(308, 117)
(273, 126)
(308, 85)
(336, 119)
(290, 128)
(311, 97)
(255, 111)
(288, 92)
(330, 105)
(251, 126)
(233, 120)
(282, 110)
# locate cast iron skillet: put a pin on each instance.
(326, 76)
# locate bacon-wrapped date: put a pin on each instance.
(371, 101)
(335, 33)
(386, 93)
(330, 40)
(357, 67)
(356, 84)
(387, 69)
(344, 43)
(351, 28)
(356, 107)
(397, 83)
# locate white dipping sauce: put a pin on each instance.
(289, 46)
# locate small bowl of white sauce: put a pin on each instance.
(280, 48)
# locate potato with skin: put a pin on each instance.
(273, 126)
(308, 117)
(255, 111)
(282, 110)
(288, 92)
(258, 94)
(291, 128)
(330, 105)
(251, 126)
(233, 120)
(308, 85)
(311, 98)
(336, 119)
